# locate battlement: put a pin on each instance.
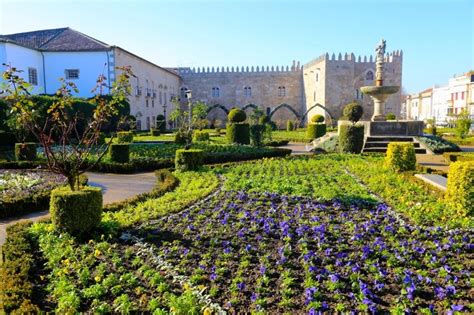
(294, 68)
(389, 57)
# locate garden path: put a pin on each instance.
(296, 148)
(115, 187)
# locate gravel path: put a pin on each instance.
(115, 187)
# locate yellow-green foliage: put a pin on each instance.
(401, 156)
(76, 211)
(193, 186)
(124, 137)
(188, 160)
(460, 192)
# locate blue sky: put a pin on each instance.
(437, 37)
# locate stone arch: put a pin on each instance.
(250, 106)
(289, 107)
(331, 116)
(219, 106)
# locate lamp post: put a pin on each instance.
(189, 95)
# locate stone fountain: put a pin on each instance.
(379, 93)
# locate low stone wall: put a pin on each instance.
(389, 128)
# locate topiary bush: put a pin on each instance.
(314, 131)
(460, 187)
(353, 112)
(238, 133)
(124, 137)
(189, 160)
(351, 138)
(154, 132)
(161, 123)
(25, 151)
(78, 211)
(390, 116)
(200, 135)
(237, 115)
(263, 120)
(256, 135)
(400, 156)
(119, 152)
(182, 137)
(317, 119)
(289, 125)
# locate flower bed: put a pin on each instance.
(438, 144)
(322, 177)
(272, 253)
(24, 191)
(405, 194)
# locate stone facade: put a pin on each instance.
(327, 81)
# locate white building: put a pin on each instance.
(442, 102)
(47, 55)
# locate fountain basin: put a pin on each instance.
(379, 90)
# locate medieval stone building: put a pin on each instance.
(322, 86)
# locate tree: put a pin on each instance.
(181, 117)
(70, 150)
(463, 123)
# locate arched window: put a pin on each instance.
(281, 91)
(369, 76)
(215, 92)
(317, 77)
(247, 91)
(357, 94)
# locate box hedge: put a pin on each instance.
(401, 156)
(119, 152)
(460, 187)
(237, 115)
(124, 137)
(17, 270)
(154, 132)
(199, 135)
(25, 151)
(238, 133)
(458, 156)
(256, 135)
(314, 131)
(351, 138)
(189, 160)
(78, 211)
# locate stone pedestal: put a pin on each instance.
(389, 128)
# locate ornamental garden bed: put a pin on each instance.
(273, 253)
(23, 191)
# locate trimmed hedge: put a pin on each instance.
(77, 211)
(165, 182)
(154, 132)
(182, 137)
(161, 123)
(238, 133)
(289, 126)
(256, 134)
(353, 112)
(200, 135)
(458, 156)
(315, 131)
(25, 151)
(460, 187)
(317, 119)
(124, 137)
(276, 143)
(189, 160)
(401, 156)
(17, 270)
(119, 153)
(351, 138)
(237, 115)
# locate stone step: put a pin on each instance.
(389, 139)
(384, 150)
(435, 180)
(384, 144)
